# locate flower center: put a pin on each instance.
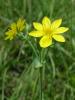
(48, 32)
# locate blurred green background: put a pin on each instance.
(18, 75)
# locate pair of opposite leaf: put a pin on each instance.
(47, 30)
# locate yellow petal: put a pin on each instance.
(38, 26)
(13, 26)
(10, 34)
(20, 24)
(61, 30)
(9, 37)
(45, 41)
(36, 33)
(22, 28)
(46, 22)
(56, 24)
(6, 38)
(59, 38)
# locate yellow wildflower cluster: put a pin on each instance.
(15, 28)
(48, 30)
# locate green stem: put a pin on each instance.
(40, 83)
(29, 42)
(42, 58)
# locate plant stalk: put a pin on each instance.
(40, 83)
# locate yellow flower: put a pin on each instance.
(20, 25)
(48, 30)
(15, 28)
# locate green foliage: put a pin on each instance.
(19, 77)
